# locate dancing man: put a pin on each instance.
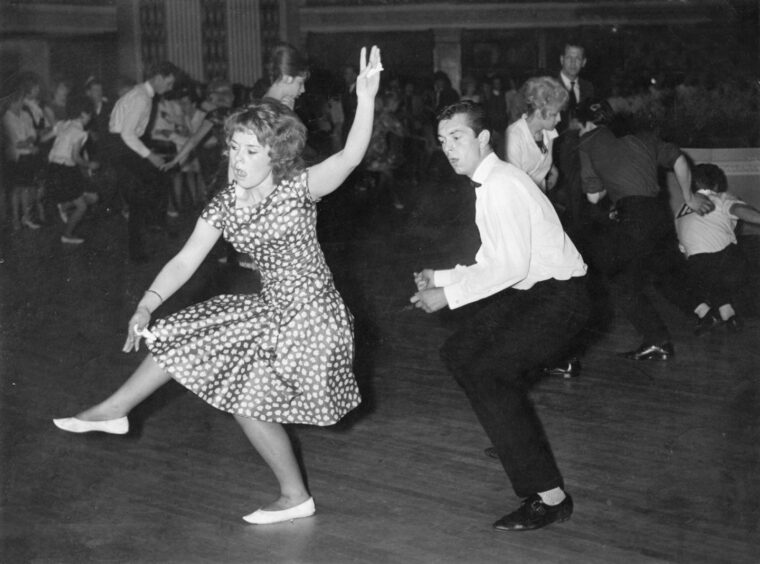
(144, 186)
(528, 300)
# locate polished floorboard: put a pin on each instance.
(663, 459)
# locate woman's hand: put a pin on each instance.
(368, 81)
(700, 204)
(551, 178)
(139, 321)
(169, 165)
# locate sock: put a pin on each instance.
(554, 496)
(701, 310)
(726, 312)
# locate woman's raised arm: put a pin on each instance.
(326, 176)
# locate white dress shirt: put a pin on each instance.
(130, 116)
(525, 154)
(573, 85)
(522, 240)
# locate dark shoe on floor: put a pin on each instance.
(706, 324)
(534, 514)
(651, 352)
(568, 369)
(733, 324)
(491, 452)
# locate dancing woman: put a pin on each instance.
(283, 355)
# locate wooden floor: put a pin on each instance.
(663, 460)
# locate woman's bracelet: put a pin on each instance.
(157, 294)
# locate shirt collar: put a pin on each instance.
(567, 80)
(149, 88)
(485, 167)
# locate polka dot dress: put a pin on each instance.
(284, 355)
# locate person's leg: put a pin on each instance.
(640, 232)
(17, 207)
(271, 441)
(174, 203)
(27, 205)
(494, 356)
(76, 209)
(145, 380)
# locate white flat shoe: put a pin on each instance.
(118, 426)
(261, 517)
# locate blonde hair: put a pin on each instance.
(543, 93)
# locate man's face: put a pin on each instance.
(463, 149)
(164, 83)
(572, 61)
(95, 93)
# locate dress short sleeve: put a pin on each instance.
(214, 211)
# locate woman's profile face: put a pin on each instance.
(293, 86)
(548, 118)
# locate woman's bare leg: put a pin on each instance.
(148, 377)
(271, 441)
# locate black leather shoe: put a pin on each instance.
(569, 369)
(534, 514)
(706, 324)
(491, 452)
(650, 352)
(733, 324)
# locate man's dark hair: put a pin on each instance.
(164, 68)
(598, 112)
(476, 114)
(709, 176)
(78, 106)
(573, 41)
(91, 81)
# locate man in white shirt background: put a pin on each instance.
(529, 300)
(144, 186)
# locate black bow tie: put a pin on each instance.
(474, 184)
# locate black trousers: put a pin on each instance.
(145, 189)
(640, 244)
(718, 277)
(496, 356)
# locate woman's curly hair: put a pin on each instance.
(277, 127)
(544, 92)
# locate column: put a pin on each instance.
(183, 36)
(128, 36)
(447, 53)
(244, 41)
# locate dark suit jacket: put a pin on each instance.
(586, 92)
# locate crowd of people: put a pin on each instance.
(567, 206)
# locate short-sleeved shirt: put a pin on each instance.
(67, 135)
(625, 166)
(709, 233)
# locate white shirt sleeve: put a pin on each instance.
(504, 256)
